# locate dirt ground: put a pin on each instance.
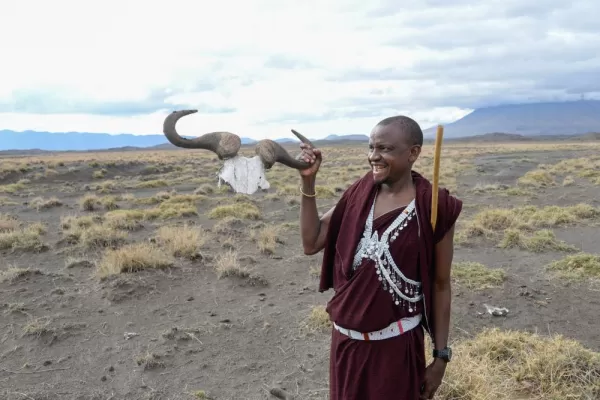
(226, 306)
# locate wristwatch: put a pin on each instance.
(445, 353)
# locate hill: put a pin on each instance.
(535, 119)
(59, 141)
(513, 121)
(11, 141)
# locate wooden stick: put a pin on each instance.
(436, 175)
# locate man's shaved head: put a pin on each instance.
(407, 126)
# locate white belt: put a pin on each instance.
(394, 329)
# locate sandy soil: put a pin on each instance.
(183, 332)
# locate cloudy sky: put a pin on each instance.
(261, 67)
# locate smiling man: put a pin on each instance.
(388, 267)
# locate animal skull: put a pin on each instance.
(245, 175)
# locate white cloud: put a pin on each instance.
(261, 67)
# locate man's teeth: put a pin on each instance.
(377, 168)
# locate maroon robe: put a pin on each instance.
(391, 368)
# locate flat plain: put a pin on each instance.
(134, 275)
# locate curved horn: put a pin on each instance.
(224, 144)
(271, 152)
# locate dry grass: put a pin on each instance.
(237, 210)
(508, 365)
(13, 274)
(96, 236)
(89, 202)
(539, 242)
(536, 179)
(577, 266)
(492, 221)
(28, 238)
(473, 275)
(227, 265)
(39, 203)
(182, 241)
(150, 361)
(8, 223)
(317, 321)
(267, 238)
(498, 189)
(132, 258)
(587, 168)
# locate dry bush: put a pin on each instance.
(182, 241)
(132, 258)
(109, 202)
(39, 203)
(156, 183)
(26, 238)
(206, 188)
(237, 210)
(267, 238)
(13, 274)
(150, 361)
(99, 174)
(527, 218)
(582, 167)
(317, 321)
(538, 242)
(227, 264)
(129, 220)
(5, 201)
(106, 187)
(536, 179)
(577, 266)
(12, 187)
(509, 365)
(475, 275)
(8, 223)
(75, 221)
(89, 202)
(499, 190)
(227, 225)
(96, 236)
(38, 327)
(168, 210)
(568, 181)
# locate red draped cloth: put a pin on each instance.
(391, 368)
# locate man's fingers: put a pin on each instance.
(308, 156)
(425, 393)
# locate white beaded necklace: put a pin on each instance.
(404, 291)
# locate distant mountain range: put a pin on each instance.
(534, 119)
(81, 141)
(512, 121)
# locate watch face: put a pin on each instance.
(445, 354)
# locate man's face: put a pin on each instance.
(391, 155)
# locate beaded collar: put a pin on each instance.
(404, 291)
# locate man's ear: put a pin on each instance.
(415, 151)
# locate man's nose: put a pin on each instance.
(374, 155)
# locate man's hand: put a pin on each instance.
(311, 156)
(433, 378)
